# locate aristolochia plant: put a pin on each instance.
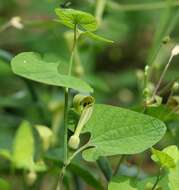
(113, 130)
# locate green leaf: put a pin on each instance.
(87, 175)
(148, 183)
(122, 183)
(71, 17)
(128, 183)
(31, 66)
(46, 136)
(163, 113)
(4, 185)
(5, 154)
(96, 37)
(23, 147)
(168, 157)
(56, 155)
(173, 177)
(116, 130)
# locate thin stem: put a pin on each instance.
(4, 27)
(105, 167)
(139, 7)
(162, 76)
(73, 50)
(35, 98)
(66, 125)
(62, 173)
(100, 6)
(157, 180)
(118, 165)
(67, 92)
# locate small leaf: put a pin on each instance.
(120, 131)
(173, 177)
(4, 185)
(23, 147)
(71, 17)
(168, 157)
(31, 66)
(148, 183)
(122, 183)
(46, 136)
(5, 154)
(96, 37)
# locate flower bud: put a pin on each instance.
(175, 50)
(175, 86)
(16, 22)
(146, 70)
(31, 178)
(74, 142)
(80, 101)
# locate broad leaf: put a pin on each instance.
(71, 17)
(168, 157)
(31, 66)
(122, 183)
(120, 131)
(23, 147)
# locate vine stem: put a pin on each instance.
(66, 107)
(119, 164)
(4, 27)
(62, 173)
(157, 180)
(162, 76)
(100, 6)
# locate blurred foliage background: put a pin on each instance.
(139, 29)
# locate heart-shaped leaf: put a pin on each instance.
(120, 131)
(31, 66)
(71, 17)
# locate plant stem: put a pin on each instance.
(139, 7)
(4, 27)
(66, 94)
(105, 167)
(100, 6)
(62, 173)
(73, 50)
(66, 125)
(157, 180)
(118, 165)
(162, 76)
